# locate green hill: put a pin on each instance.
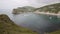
(24, 9)
(55, 32)
(8, 27)
(53, 8)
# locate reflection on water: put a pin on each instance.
(40, 23)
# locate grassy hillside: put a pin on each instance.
(8, 27)
(53, 8)
(24, 9)
(55, 32)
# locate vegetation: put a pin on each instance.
(8, 27)
(53, 8)
(55, 32)
(24, 9)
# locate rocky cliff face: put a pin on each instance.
(8, 27)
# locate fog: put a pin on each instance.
(10, 4)
(33, 21)
(40, 23)
(6, 6)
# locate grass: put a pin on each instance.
(55, 32)
(8, 27)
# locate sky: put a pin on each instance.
(10, 4)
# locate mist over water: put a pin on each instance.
(39, 23)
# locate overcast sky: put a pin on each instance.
(10, 4)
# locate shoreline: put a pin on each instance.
(47, 13)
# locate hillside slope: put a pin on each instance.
(53, 8)
(24, 9)
(8, 27)
(55, 32)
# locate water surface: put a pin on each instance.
(39, 23)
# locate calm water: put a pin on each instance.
(40, 23)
